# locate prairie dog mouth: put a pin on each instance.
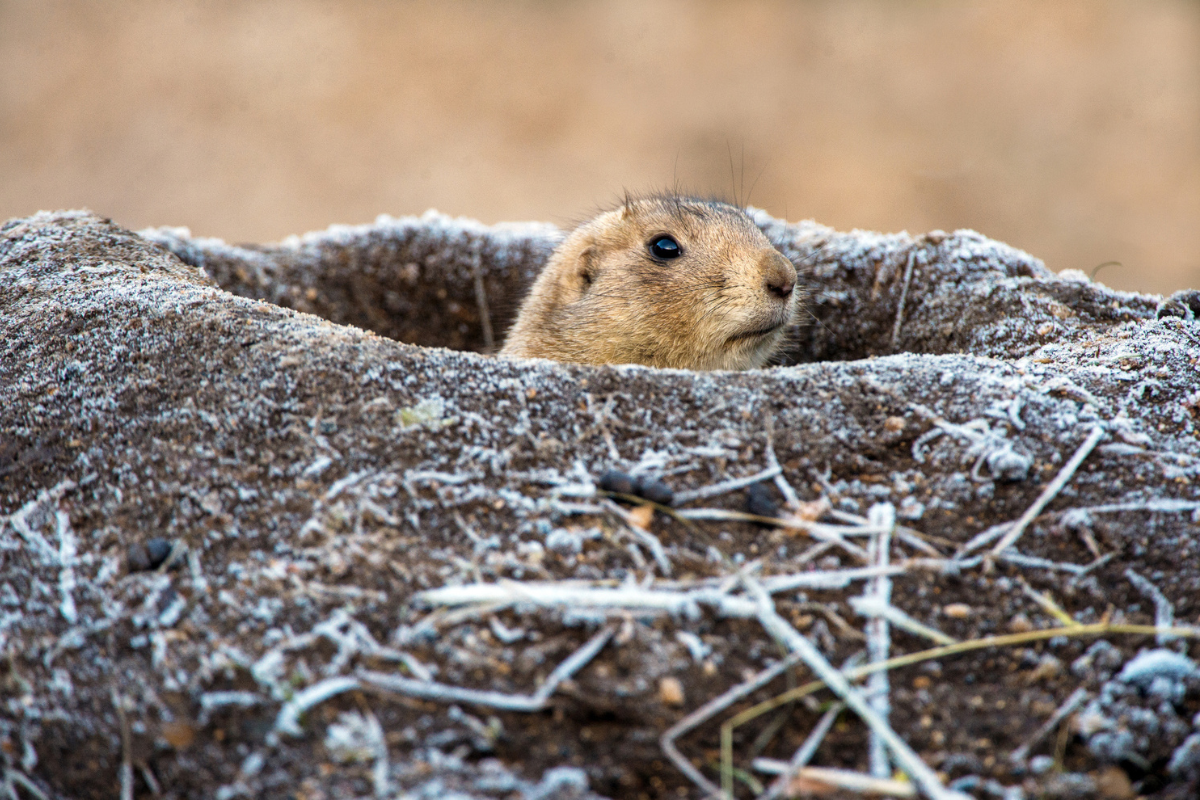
(756, 333)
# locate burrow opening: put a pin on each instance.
(437, 282)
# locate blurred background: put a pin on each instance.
(1069, 129)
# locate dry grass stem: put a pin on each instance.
(817, 530)
(125, 771)
(711, 709)
(806, 781)
(872, 607)
(1073, 702)
(1048, 605)
(908, 271)
(906, 759)
(643, 536)
(287, 721)
(724, 487)
(481, 301)
(1050, 492)
(912, 538)
(781, 483)
(879, 590)
(1164, 610)
(804, 753)
(12, 779)
(446, 693)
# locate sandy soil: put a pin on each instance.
(1069, 129)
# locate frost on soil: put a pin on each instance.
(386, 569)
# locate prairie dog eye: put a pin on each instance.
(665, 247)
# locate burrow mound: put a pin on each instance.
(437, 281)
(278, 427)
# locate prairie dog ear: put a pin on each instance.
(585, 268)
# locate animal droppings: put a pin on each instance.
(760, 501)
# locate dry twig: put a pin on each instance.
(871, 607)
(287, 721)
(12, 779)
(711, 709)
(446, 693)
(485, 317)
(838, 779)
(1049, 493)
(643, 536)
(1006, 640)
(879, 640)
(804, 753)
(724, 487)
(687, 603)
(125, 771)
(907, 760)
(908, 271)
(1073, 702)
(1164, 610)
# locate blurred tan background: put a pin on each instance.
(1070, 129)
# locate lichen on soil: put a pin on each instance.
(230, 477)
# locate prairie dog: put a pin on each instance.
(663, 281)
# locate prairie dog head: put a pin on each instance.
(661, 281)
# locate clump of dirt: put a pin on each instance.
(261, 535)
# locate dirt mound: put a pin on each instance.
(253, 545)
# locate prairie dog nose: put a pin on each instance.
(778, 273)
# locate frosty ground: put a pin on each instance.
(273, 523)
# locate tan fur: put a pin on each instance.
(603, 299)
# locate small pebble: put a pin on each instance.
(670, 691)
(1112, 783)
(1020, 623)
(1040, 765)
(957, 610)
(642, 516)
(760, 502)
(178, 734)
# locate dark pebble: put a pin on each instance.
(157, 550)
(760, 501)
(618, 482)
(654, 491)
